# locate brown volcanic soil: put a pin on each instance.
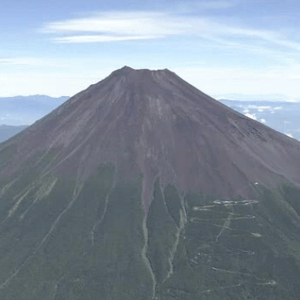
(154, 123)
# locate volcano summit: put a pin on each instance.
(143, 187)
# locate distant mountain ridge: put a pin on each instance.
(7, 131)
(25, 110)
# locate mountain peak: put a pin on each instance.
(127, 70)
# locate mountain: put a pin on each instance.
(279, 115)
(25, 110)
(143, 187)
(7, 131)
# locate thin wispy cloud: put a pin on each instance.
(101, 38)
(221, 46)
(119, 25)
(205, 6)
(20, 61)
(29, 61)
(139, 25)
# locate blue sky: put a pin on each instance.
(224, 47)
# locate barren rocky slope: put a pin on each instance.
(143, 187)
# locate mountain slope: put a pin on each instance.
(143, 187)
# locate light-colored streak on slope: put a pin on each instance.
(145, 258)
(92, 232)
(76, 193)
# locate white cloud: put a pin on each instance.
(263, 108)
(21, 61)
(260, 108)
(252, 116)
(263, 121)
(290, 135)
(293, 100)
(29, 61)
(100, 38)
(120, 26)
